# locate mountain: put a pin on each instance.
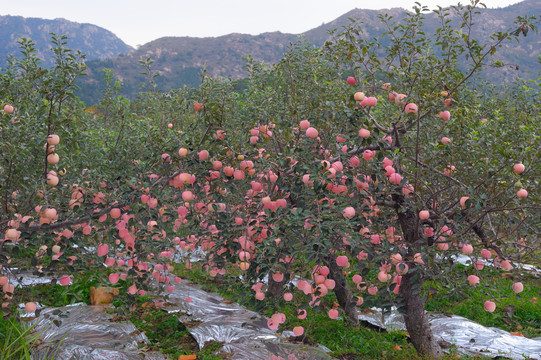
(93, 41)
(179, 60)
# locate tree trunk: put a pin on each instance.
(410, 286)
(275, 289)
(415, 317)
(343, 294)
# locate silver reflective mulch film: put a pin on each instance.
(83, 332)
(469, 337)
(244, 333)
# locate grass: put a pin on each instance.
(14, 342)
(17, 339)
(170, 336)
(514, 312)
(164, 331)
(347, 342)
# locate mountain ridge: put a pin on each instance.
(94, 41)
(179, 60)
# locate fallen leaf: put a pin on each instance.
(516, 333)
(187, 357)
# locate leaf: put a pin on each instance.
(187, 357)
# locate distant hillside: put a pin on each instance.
(179, 60)
(93, 41)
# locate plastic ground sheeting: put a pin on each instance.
(244, 333)
(87, 333)
(469, 337)
(21, 279)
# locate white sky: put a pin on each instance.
(139, 21)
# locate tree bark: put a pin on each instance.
(410, 287)
(343, 294)
(275, 289)
(415, 317)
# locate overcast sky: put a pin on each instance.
(140, 21)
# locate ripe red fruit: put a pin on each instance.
(197, 106)
(359, 96)
(203, 155)
(490, 306)
(53, 158)
(518, 287)
(298, 330)
(115, 213)
(486, 254)
(312, 133)
(473, 280)
(395, 178)
(411, 108)
(52, 180)
(369, 101)
(114, 277)
(30, 307)
(12, 234)
(449, 102)
(348, 212)
(305, 124)
(103, 249)
(53, 139)
(342, 261)
(467, 249)
(182, 152)
(518, 168)
(333, 313)
(364, 133)
(351, 81)
(445, 115)
(187, 195)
